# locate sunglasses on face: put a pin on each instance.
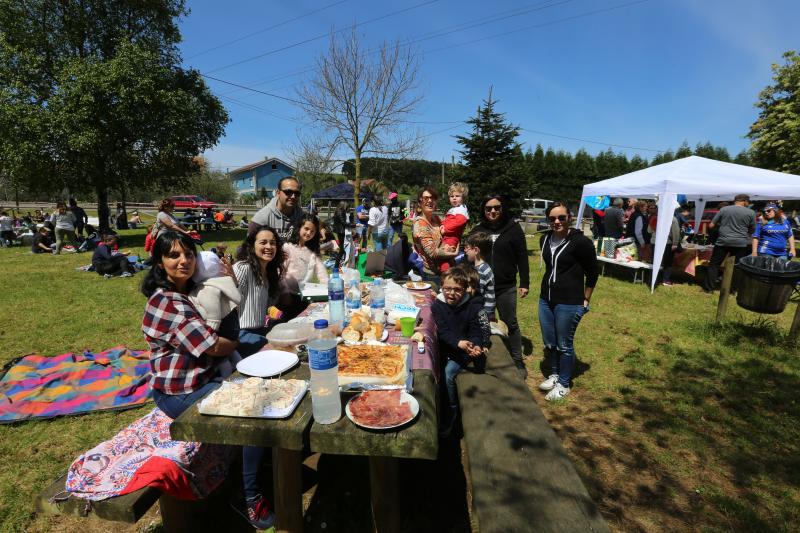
(290, 192)
(560, 218)
(490, 208)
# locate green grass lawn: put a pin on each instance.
(673, 423)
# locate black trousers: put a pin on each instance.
(117, 265)
(717, 257)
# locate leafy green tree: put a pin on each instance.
(776, 132)
(100, 96)
(493, 159)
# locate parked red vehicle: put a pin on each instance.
(708, 214)
(192, 201)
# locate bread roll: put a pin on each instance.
(351, 334)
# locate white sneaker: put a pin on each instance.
(559, 392)
(126, 275)
(549, 383)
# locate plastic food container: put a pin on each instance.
(289, 333)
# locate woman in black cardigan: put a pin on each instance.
(569, 280)
(509, 257)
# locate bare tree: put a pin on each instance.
(363, 99)
(312, 155)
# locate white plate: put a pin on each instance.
(383, 339)
(404, 398)
(267, 363)
(417, 285)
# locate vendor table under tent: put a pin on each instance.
(701, 180)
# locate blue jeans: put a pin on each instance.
(558, 323)
(381, 240)
(251, 340)
(394, 229)
(454, 368)
(175, 404)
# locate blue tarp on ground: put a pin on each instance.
(340, 191)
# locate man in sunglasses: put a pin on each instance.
(283, 212)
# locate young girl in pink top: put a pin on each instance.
(303, 261)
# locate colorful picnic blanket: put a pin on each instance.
(37, 386)
(143, 454)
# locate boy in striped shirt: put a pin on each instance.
(478, 246)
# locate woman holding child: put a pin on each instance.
(567, 285)
(508, 258)
(428, 238)
(186, 352)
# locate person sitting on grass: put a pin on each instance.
(108, 264)
(185, 352)
(458, 320)
(478, 246)
(7, 229)
(43, 241)
(93, 238)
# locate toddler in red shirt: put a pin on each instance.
(455, 220)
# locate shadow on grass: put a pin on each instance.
(733, 412)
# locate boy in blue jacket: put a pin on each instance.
(459, 325)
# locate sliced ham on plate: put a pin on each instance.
(381, 409)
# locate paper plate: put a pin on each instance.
(267, 363)
(417, 285)
(404, 398)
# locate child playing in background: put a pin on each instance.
(478, 246)
(457, 316)
(455, 220)
(217, 298)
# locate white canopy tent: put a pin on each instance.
(701, 180)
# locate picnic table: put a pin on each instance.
(288, 438)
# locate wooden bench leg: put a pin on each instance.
(288, 483)
(384, 482)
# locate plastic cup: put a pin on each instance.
(407, 324)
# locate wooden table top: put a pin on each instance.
(418, 440)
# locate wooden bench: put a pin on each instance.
(520, 476)
(128, 508)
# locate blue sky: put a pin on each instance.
(647, 75)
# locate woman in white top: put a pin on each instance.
(258, 276)
(379, 224)
(64, 222)
(303, 262)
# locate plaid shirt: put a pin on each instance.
(178, 338)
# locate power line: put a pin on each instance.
(316, 38)
(253, 90)
(262, 30)
(469, 24)
(536, 26)
(590, 141)
(257, 108)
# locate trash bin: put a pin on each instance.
(766, 283)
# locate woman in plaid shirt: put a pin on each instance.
(185, 351)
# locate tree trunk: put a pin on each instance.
(102, 207)
(357, 182)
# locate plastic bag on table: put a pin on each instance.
(396, 294)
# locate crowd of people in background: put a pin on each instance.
(738, 229)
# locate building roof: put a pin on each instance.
(266, 160)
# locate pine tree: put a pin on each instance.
(493, 159)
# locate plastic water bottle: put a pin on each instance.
(336, 300)
(326, 403)
(377, 301)
(353, 297)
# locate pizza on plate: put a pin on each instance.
(372, 363)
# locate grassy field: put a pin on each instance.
(674, 424)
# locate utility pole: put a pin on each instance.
(442, 171)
